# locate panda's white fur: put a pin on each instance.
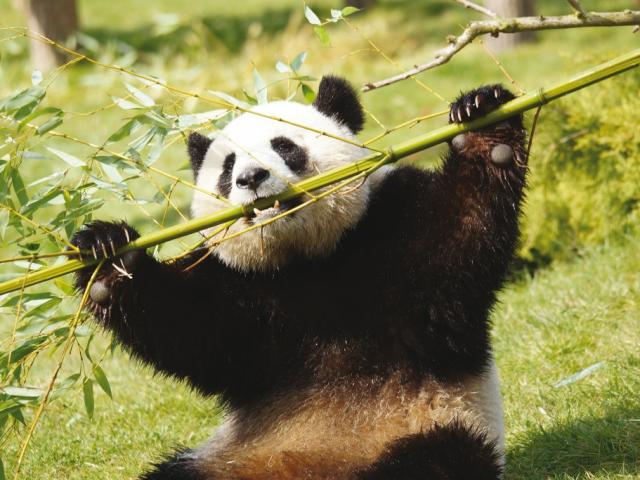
(312, 231)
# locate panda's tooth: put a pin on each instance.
(276, 205)
(256, 211)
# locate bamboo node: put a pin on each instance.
(390, 154)
(542, 97)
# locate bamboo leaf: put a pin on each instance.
(124, 104)
(186, 121)
(22, 392)
(4, 222)
(102, 380)
(260, 87)
(87, 391)
(346, 11)
(144, 99)
(69, 382)
(17, 414)
(124, 131)
(18, 187)
(311, 17)
(67, 157)
(579, 375)
(30, 96)
(322, 35)
(232, 101)
(308, 93)
(283, 67)
(49, 125)
(297, 62)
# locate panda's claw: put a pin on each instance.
(477, 103)
(104, 250)
(103, 239)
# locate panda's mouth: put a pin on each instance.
(278, 208)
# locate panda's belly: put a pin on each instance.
(335, 431)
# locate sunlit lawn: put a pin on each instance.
(547, 328)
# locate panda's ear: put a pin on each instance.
(339, 100)
(197, 145)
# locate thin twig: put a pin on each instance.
(389, 59)
(577, 6)
(477, 8)
(533, 129)
(500, 66)
(512, 25)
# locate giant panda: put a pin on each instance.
(349, 340)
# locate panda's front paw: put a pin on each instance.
(101, 240)
(479, 102)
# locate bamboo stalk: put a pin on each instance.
(370, 163)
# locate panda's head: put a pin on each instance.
(256, 156)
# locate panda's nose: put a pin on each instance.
(252, 178)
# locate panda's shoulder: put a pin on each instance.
(397, 185)
(394, 199)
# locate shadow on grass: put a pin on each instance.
(605, 445)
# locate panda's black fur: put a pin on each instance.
(405, 299)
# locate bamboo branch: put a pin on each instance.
(477, 8)
(512, 25)
(367, 164)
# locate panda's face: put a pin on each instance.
(256, 156)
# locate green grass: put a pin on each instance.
(558, 323)
(547, 327)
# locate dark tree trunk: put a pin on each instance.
(55, 19)
(511, 8)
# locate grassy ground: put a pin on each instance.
(548, 327)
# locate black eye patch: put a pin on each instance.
(224, 182)
(293, 155)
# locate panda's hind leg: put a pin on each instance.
(178, 466)
(451, 452)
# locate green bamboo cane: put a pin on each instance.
(369, 163)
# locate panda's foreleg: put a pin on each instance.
(451, 452)
(164, 315)
(480, 186)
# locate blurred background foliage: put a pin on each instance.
(583, 167)
(583, 201)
